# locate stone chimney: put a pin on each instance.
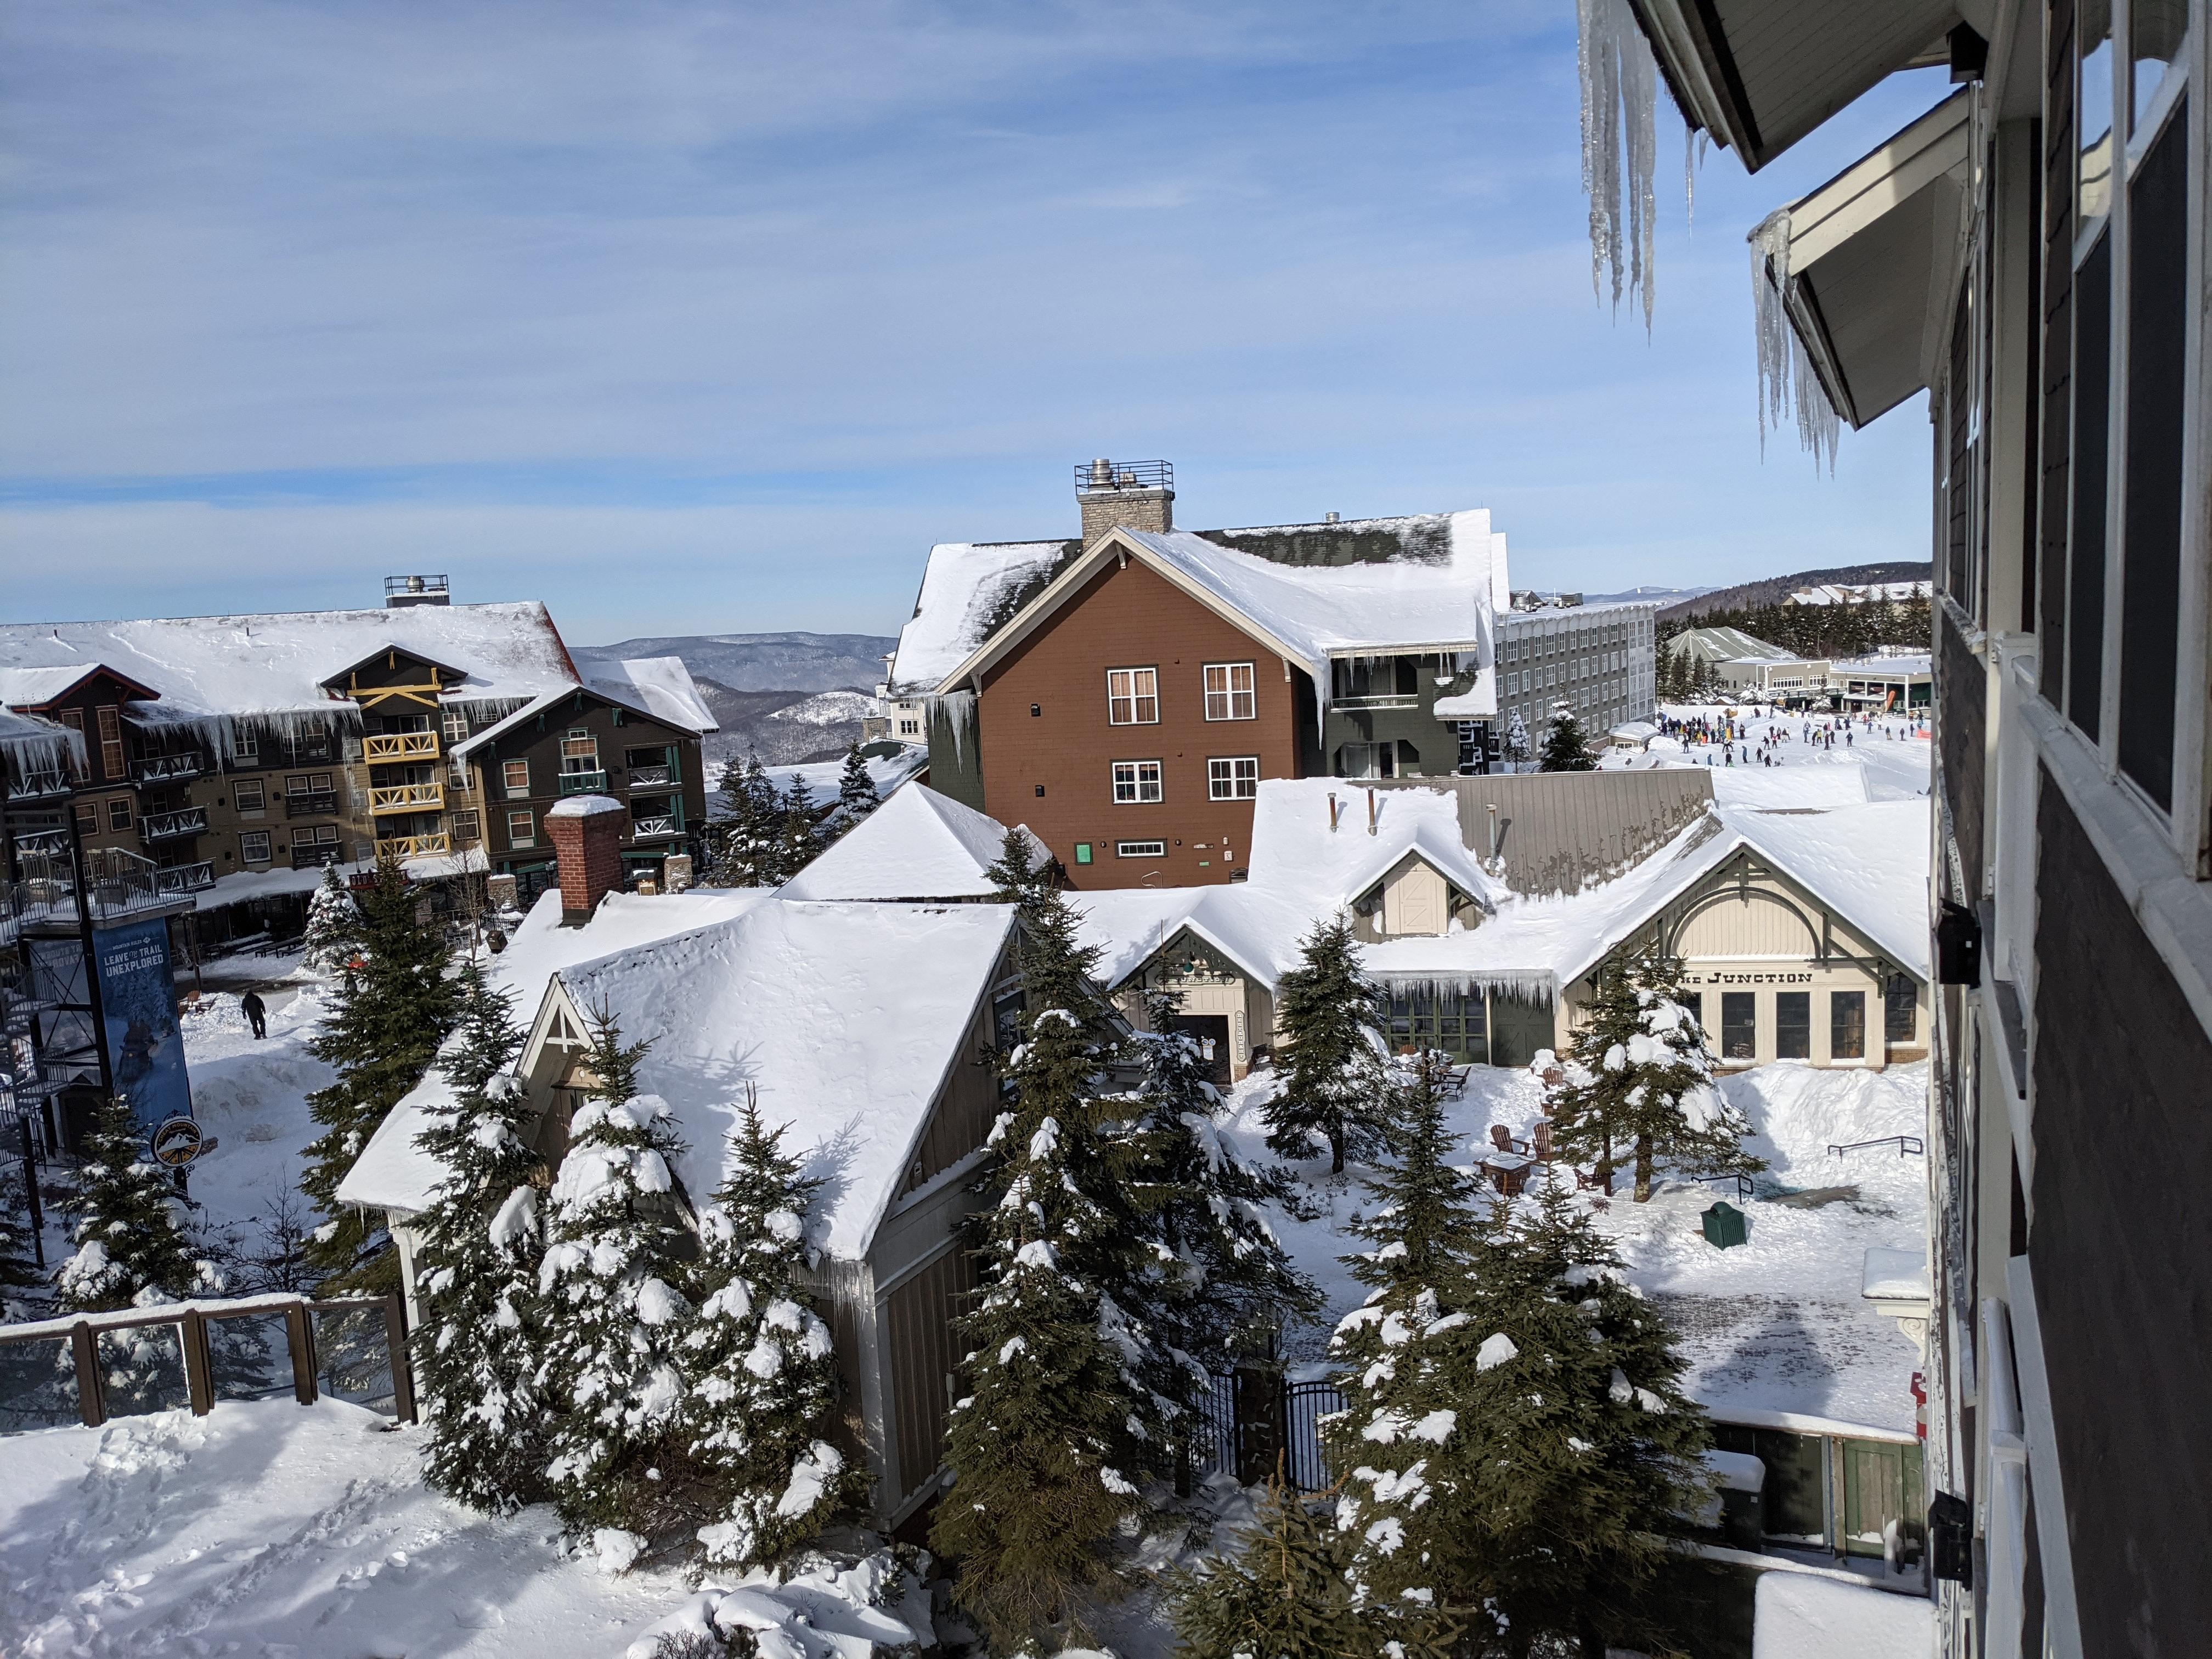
(1125, 495)
(586, 832)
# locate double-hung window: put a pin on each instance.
(522, 829)
(1232, 777)
(253, 846)
(516, 775)
(1133, 696)
(1229, 691)
(1136, 781)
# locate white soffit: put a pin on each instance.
(1870, 255)
(1759, 74)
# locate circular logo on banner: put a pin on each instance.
(178, 1142)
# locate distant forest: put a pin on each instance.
(1804, 630)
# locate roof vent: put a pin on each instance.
(401, 591)
(1333, 518)
(1125, 495)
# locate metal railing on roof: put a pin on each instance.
(1104, 475)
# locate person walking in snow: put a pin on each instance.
(256, 1014)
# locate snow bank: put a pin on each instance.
(917, 845)
(1799, 1616)
(824, 1612)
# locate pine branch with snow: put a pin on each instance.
(763, 1379)
(393, 1007)
(613, 1319)
(476, 1268)
(1566, 747)
(1638, 1081)
(1335, 1084)
(856, 790)
(333, 932)
(746, 849)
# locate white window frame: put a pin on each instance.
(1131, 774)
(245, 840)
(1228, 779)
(1234, 702)
(507, 780)
(529, 823)
(1125, 706)
(1140, 849)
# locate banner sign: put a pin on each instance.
(138, 1003)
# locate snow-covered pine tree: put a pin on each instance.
(1232, 1286)
(476, 1268)
(1400, 1359)
(1569, 1464)
(1018, 876)
(22, 1283)
(1062, 1419)
(747, 845)
(612, 1317)
(389, 1017)
(1566, 749)
(333, 932)
(1637, 1080)
(763, 1380)
(1334, 1081)
(1518, 749)
(1280, 1592)
(800, 841)
(856, 790)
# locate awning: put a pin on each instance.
(1862, 265)
(1759, 74)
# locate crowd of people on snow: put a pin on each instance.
(1753, 735)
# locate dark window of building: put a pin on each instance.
(1898, 1005)
(1739, 1025)
(2150, 579)
(2085, 579)
(111, 741)
(1695, 1002)
(1847, 1024)
(87, 817)
(1793, 1025)
(119, 813)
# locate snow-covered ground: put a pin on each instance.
(271, 1530)
(1894, 755)
(1774, 1326)
(830, 708)
(250, 1094)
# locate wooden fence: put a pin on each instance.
(91, 1367)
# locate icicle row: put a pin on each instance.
(1619, 85)
(1786, 379)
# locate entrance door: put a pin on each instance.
(1212, 1031)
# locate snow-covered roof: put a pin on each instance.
(1905, 663)
(1333, 840)
(36, 745)
(1866, 594)
(1422, 583)
(659, 687)
(33, 687)
(846, 1018)
(275, 663)
(917, 845)
(1727, 645)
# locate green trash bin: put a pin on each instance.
(1725, 1227)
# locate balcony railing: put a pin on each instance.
(154, 769)
(411, 847)
(186, 877)
(44, 844)
(167, 826)
(311, 804)
(408, 798)
(583, 783)
(37, 785)
(389, 746)
(654, 829)
(315, 857)
(649, 777)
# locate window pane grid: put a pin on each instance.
(1234, 777)
(1229, 691)
(1133, 696)
(1136, 781)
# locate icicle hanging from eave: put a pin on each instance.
(1619, 85)
(1785, 370)
(957, 709)
(41, 751)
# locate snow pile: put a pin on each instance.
(823, 1612)
(1800, 1616)
(917, 845)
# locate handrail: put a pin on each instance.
(583, 783)
(407, 798)
(650, 828)
(1906, 1146)
(409, 846)
(150, 768)
(384, 747)
(184, 820)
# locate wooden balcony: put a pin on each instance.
(408, 798)
(167, 826)
(412, 846)
(654, 829)
(321, 853)
(390, 746)
(39, 786)
(186, 877)
(649, 777)
(311, 804)
(156, 769)
(583, 783)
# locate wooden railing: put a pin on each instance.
(162, 826)
(654, 829)
(411, 847)
(407, 798)
(198, 1354)
(583, 783)
(650, 777)
(154, 768)
(388, 746)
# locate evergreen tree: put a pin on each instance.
(1565, 748)
(333, 932)
(1282, 1593)
(613, 1319)
(763, 1379)
(1518, 749)
(1063, 1415)
(22, 1282)
(1637, 1079)
(1528, 1458)
(800, 841)
(392, 1013)
(1335, 1082)
(1231, 1286)
(747, 847)
(1022, 874)
(856, 790)
(477, 1268)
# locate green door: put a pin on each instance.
(1882, 1489)
(1518, 1028)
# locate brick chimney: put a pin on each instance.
(1125, 495)
(586, 832)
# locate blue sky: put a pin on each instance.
(692, 317)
